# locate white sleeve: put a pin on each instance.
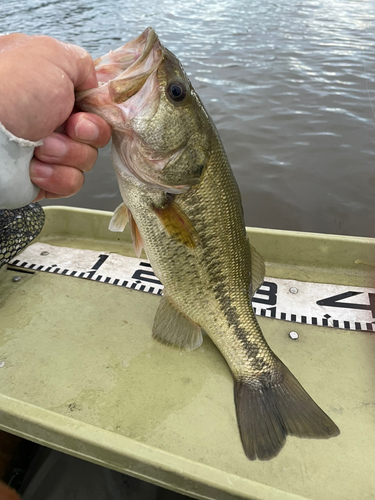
(16, 188)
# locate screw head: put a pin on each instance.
(16, 278)
(293, 335)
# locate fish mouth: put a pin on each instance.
(126, 78)
(122, 72)
(128, 59)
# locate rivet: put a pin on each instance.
(293, 335)
(44, 253)
(16, 278)
(293, 289)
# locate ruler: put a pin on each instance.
(320, 304)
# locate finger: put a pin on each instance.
(60, 180)
(8, 41)
(41, 195)
(47, 195)
(59, 149)
(82, 73)
(75, 61)
(54, 70)
(88, 128)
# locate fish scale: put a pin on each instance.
(184, 207)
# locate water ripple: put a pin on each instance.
(290, 85)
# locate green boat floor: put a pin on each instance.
(80, 373)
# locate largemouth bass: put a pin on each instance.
(184, 208)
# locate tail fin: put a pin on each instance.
(267, 415)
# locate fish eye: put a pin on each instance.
(176, 91)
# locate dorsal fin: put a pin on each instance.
(257, 270)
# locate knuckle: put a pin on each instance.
(92, 156)
(85, 157)
(74, 181)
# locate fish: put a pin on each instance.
(18, 228)
(184, 209)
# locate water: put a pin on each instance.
(289, 84)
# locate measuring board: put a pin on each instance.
(337, 306)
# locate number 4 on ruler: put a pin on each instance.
(334, 301)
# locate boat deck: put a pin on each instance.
(80, 373)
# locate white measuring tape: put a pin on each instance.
(337, 306)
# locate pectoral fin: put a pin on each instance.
(174, 328)
(121, 216)
(136, 235)
(177, 224)
(119, 219)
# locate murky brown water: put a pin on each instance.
(290, 85)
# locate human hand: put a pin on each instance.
(38, 77)
(7, 493)
(60, 163)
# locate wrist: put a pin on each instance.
(16, 188)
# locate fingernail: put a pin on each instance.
(40, 171)
(54, 146)
(85, 130)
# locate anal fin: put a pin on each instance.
(174, 328)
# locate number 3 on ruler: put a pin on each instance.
(271, 294)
